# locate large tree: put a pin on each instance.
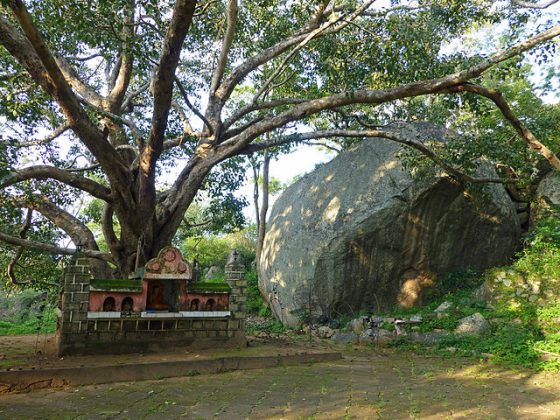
(106, 96)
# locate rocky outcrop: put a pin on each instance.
(361, 233)
(547, 198)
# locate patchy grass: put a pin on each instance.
(39, 323)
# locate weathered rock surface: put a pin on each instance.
(325, 332)
(547, 197)
(213, 272)
(473, 324)
(361, 233)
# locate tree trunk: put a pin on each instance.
(264, 207)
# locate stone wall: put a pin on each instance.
(235, 277)
(130, 334)
(73, 323)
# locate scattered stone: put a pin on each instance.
(443, 307)
(379, 337)
(415, 319)
(473, 324)
(451, 349)
(345, 337)
(496, 321)
(533, 298)
(357, 325)
(325, 332)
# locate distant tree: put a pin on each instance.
(107, 97)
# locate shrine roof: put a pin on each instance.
(208, 287)
(169, 264)
(115, 285)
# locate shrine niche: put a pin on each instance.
(167, 276)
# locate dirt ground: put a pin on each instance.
(365, 384)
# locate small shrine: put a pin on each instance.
(166, 286)
(160, 307)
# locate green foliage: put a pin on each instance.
(522, 333)
(213, 250)
(269, 326)
(27, 312)
(45, 323)
(541, 255)
(255, 304)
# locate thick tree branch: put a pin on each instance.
(163, 84)
(80, 234)
(61, 175)
(163, 89)
(86, 92)
(35, 56)
(374, 97)
(119, 84)
(395, 135)
(526, 134)
(259, 107)
(10, 269)
(324, 29)
(231, 18)
(185, 96)
(12, 240)
(39, 142)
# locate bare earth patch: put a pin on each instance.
(367, 383)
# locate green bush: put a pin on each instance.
(214, 250)
(44, 322)
(255, 304)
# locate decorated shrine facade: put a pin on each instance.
(162, 306)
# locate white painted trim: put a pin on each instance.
(205, 314)
(96, 315)
(181, 314)
(167, 276)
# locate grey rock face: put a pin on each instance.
(547, 197)
(359, 233)
(443, 307)
(213, 272)
(325, 332)
(357, 325)
(474, 324)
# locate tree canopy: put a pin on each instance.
(142, 103)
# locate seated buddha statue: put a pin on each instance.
(155, 300)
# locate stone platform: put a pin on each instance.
(30, 362)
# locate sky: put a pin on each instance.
(286, 168)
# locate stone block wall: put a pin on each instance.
(129, 334)
(235, 277)
(75, 300)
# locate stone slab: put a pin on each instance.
(26, 379)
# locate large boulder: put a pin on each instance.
(360, 233)
(547, 198)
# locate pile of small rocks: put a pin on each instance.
(382, 330)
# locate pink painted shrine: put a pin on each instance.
(166, 286)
